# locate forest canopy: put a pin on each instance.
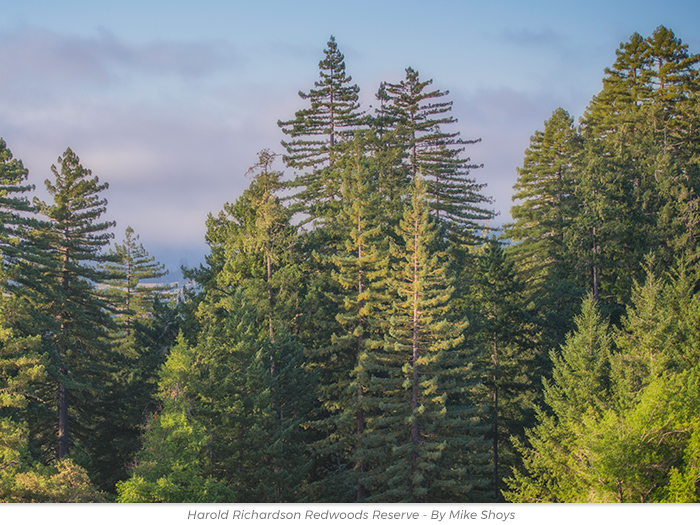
(359, 330)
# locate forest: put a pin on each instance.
(359, 331)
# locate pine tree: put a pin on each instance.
(426, 441)
(78, 316)
(638, 190)
(501, 323)
(417, 117)
(318, 132)
(131, 298)
(254, 246)
(558, 460)
(23, 255)
(544, 210)
(359, 271)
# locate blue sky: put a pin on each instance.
(170, 101)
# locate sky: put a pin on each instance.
(170, 101)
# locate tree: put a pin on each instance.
(172, 466)
(359, 270)
(131, 299)
(15, 210)
(558, 458)
(417, 117)
(645, 447)
(253, 246)
(79, 319)
(502, 325)
(624, 417)
(139, 340)
(318, 132)
(638, 189)
(544, 210)
(425, 441)
(23, 372)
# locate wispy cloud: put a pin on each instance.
(40, 59)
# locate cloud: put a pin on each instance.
(504, 119)
(171, 151)
(40, 60)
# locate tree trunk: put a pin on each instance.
(63, 448)
(415, 426)
(496, 490)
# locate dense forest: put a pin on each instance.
(359, 331)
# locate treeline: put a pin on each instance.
(358, 332)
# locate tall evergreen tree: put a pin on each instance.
(14, 205)
(131, 298)
(78, 317)
(318, 132)
(360, 269)
(502, 324)
(139, 341)
(426, 441)
(544, 210)
(418, 117)
(557, 462)
(639, 190)
(23, 255)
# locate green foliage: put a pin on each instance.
(638, 168)
(414, 120)
(424, 438)
(129, 297)
(171, 467)
(624, 414)
(502, 325)
(353, 337)
(17, 224)
(546, 206)
(76, 315)
(138, 345)
(359, 271)
(62, 482)
(253, 248)
(233, 406)
(557, 464)
(318, 132)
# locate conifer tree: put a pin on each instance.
(254, 246)
(130, 297)
(139, 342)
(646, 442)
(22, 372)
(360, 272)
(250, 395)
(318, 132)
(77, 334)
(558, 461)
(14, 206)
(24, 257)
(544, 210)
(418, 118)
(426, 441)
(501, 323)
(638, 190)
